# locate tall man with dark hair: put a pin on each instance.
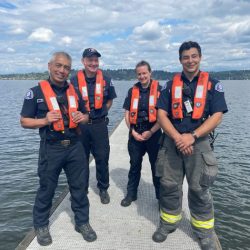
(189, 108)
(98, 92)
(53, 107)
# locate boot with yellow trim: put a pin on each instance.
(162, 232)
(210, 243)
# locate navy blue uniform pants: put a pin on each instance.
(53, 157)
(136, 151)
(95, 139)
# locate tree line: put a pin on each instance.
(129, 74)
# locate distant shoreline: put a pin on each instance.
(129, 75)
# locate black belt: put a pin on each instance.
(64, 143)
(97, 120)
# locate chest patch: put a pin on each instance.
(39, 100)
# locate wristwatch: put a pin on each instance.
(194, 135)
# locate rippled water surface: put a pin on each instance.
(19, 152)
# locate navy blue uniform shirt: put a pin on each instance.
(108, 94)
(34, 106)
(215, 102)
(143, 101)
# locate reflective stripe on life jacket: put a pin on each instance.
(203, 85)
(99, 86)
(51, 101)
(153, 96)
(133, 114)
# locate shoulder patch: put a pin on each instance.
(29, 95)
(218, 87)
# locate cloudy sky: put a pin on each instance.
(124, 32)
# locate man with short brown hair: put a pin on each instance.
(189, 108)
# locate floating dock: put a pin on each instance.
(117, 227)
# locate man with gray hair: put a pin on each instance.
(56, 109)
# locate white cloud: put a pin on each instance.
(3, 11)
(66, 40)
(125, 32)
(17, 31)
(11, 50)
(238, 29)
(41, 35)
(148, 31)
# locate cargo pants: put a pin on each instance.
(200, 170)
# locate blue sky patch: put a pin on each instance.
(107, 37)
(7, 5)
(173, 22)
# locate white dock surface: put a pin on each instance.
(119, 227)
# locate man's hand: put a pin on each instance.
(188, 151)
(137, 136)
(147, 134)
(79, 117)
(52, 116)
(185, 141)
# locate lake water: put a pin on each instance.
(19, 152)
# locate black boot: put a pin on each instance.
(87, 232)
(162, 232)
(128, 200)
(210, 243)
(43, 236)
(104, 196)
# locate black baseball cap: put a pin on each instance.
(90, 52)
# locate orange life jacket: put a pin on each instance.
(203, 85)
(99, 86)
(50, 98)
(154, 94)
